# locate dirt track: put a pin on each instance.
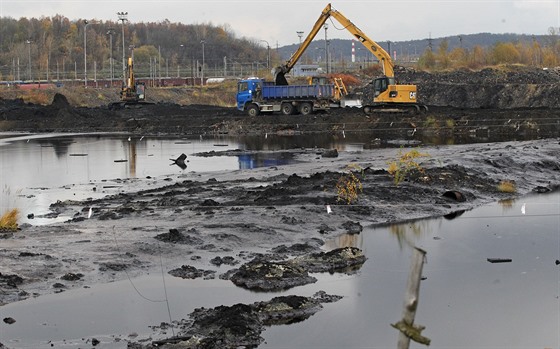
(274, 218)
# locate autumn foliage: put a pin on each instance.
(8, 221)
(530, 53)
(58, 43)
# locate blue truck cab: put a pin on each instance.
(256, 96)
(247, 92)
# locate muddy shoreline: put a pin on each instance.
(266, 225)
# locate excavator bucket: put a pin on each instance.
(279, 77)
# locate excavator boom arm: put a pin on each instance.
(371, 45)
(280, 71)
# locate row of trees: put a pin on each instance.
(53, 48)
(531, 53)
(34, 48)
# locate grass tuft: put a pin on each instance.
(8, 221)
(349, 186)
(506, 187)
(405, 164)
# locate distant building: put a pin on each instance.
(306, 70)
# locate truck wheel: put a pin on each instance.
(287, 108)
(253, 110)
(306, 109)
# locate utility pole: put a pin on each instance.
(300, 35)
(202, 70)
(85, 52)
(327, 47)
(110, 32)
(28, 42)
(268, 53)
(408, 330)
(123, 18)
(430, 41)
(159, 63)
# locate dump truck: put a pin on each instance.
(256, 96)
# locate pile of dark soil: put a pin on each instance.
(239, 325)
(526, 95)
(507, 88)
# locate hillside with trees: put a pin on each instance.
(53, 48)
(459, 51)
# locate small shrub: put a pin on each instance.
(6, 125)
(431, 122)
(507, 187)
(37, 96)
(349, 186)
(8, 221)
(405, 165)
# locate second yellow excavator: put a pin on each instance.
(382, 92)
(133, 92)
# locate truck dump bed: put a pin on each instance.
(297, 91)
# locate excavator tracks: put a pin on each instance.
(410, 109)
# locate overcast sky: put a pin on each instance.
(278, 21)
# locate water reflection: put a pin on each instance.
(56, 161)
(465, 302)
(507, 204)
(408, 234)
(60, 146)
(249, 161)
(454, 215)
(31, 163)
(345, 240)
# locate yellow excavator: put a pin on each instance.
(132, 92)
(382, 92)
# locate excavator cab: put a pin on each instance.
(380, 85)
(134, 94)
